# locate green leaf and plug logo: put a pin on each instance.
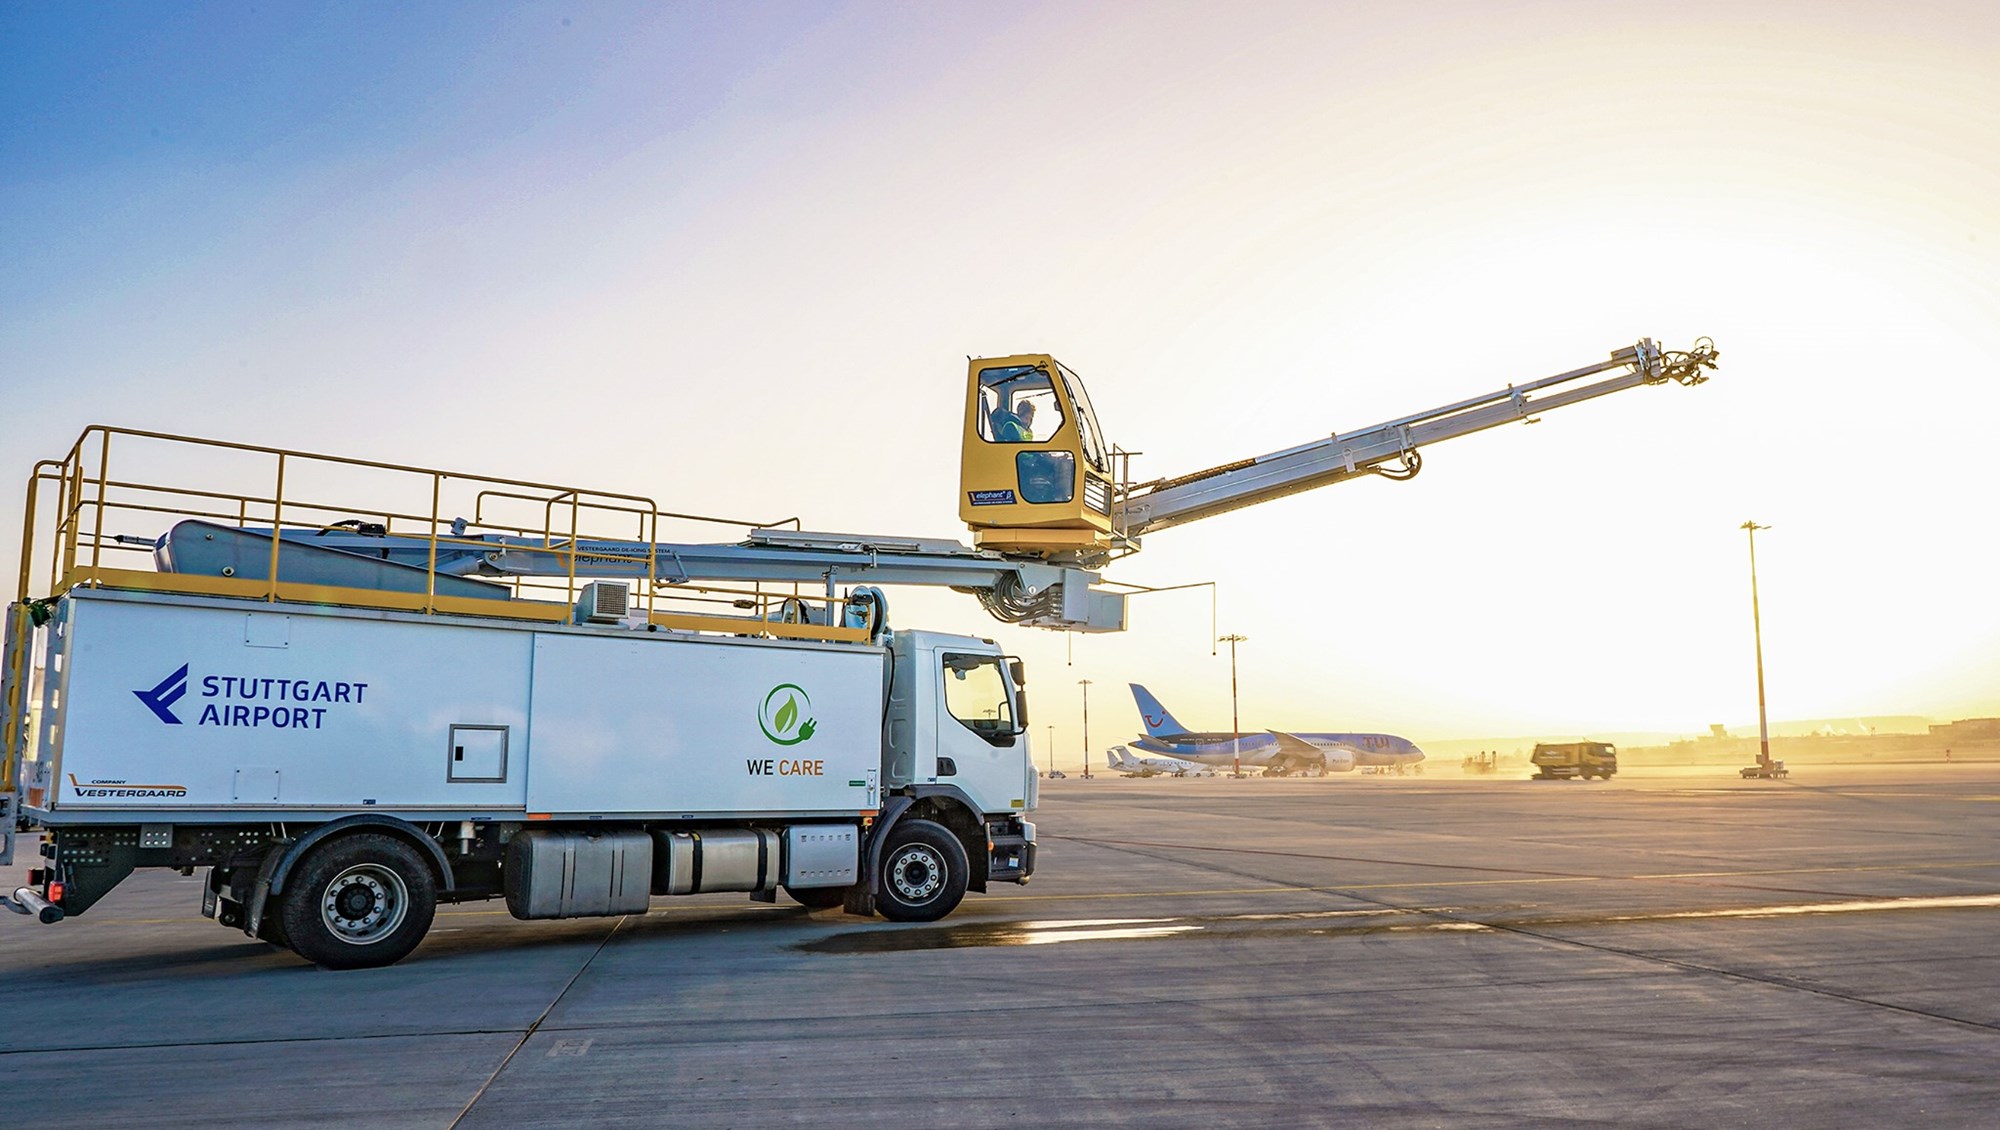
(787, 715)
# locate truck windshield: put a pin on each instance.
(975, 693)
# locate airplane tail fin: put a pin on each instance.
(1159, 723)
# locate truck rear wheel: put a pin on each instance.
(924, 872)
(359, 902)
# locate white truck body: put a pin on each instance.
(344, 709)
(184, 730)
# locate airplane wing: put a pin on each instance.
(1294, 753)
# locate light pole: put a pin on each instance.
(1085, 684)
(1052, 748)
(1235, 727)
(1757, 631)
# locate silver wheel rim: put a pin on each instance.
(917, 873)
(364, 904)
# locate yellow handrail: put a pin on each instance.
(90, 500)
(16, 706)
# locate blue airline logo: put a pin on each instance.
(161, 698)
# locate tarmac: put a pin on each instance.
(1670, 948)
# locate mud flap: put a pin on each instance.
(260, 895)
(861, 896)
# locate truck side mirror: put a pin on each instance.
(1020, 708)
(1018, 671)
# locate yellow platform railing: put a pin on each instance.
(453, 509)
(86, 526)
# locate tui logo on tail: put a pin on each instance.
(1159, 722)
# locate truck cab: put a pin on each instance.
(957, 718)
(1556, 761)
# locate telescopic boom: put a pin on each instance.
(1391, 449)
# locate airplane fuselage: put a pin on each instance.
(1212, 747)
(1274, 751)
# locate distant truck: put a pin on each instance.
(1558, 760)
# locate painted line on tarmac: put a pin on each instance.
(1287, 889)
(1909, 796)
(1917, 902)
(1768, 980)
(1331, 923)
(1817, 870)
(1436, 883)
(1326, 923)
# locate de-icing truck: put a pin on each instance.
(353, 690)
(340, 741)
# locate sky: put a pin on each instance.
(733, 257)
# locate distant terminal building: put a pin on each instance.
(1968, 730)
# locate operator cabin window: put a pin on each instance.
(1086, 422)
(975, 693)
(1017, 404)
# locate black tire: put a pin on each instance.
(923, 874)
(817, 898)
(358, 902)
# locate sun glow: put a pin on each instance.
(733, 260)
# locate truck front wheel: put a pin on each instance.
(924, 872)
(359, 902)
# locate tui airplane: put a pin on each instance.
(1276, 752)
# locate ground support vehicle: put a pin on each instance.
(340, 759)
(1556, 761)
